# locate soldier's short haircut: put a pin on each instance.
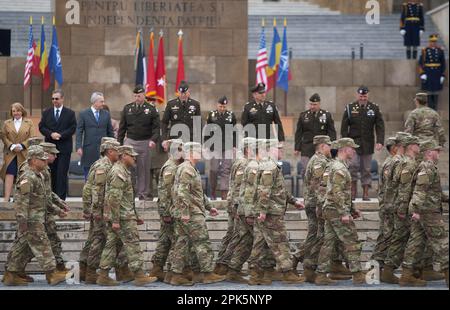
(95, 96)
(422, 101)
(58, 91)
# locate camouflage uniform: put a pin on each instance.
(313, 176)
(31, 208)
(119, 208)
(427, 198)
(425, 123)
(189, 200)
(271, 200)
(338, 203)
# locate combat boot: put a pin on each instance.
(337, 267)
(197, 277)
(235, 277)
(168, 277)
(91, 276)
(273, 275)
(309, 275)
(253, 272)
(211, 277)
(83, 268)
(322, 279)
(124, 274)
(295, 262)
(61, 267)
(26, 277)
(428, 274)
(257, 278)
(359, 278)
(55, 277)
(179, 279)
(354, 190)
(408, 279)
(188, 273)
(13, 279)
(104, 279)
(290, 277)
(387, 275)
(141, 279)
(221, 269)
(365, 193)
(157, 271)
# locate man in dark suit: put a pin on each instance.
(58, 124)
(94, 123)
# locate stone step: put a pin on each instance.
(26, 5)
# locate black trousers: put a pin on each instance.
(60, 178)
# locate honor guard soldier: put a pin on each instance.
(140, 122)
(260, 111)
(221, 160)
(181, 110)
(432, 70)
(359, 121)
(412, 26)
(311, 123)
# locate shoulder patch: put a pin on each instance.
(24, 186)
(422, 178)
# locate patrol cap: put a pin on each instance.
(36, 151)
(401, 136)
(343, 142)
(223, 100)
(108, 145)
(421, 97)
(249, 141)
(363, 90)
(35, 141)
(192, 147)
(334, 145)
(314, 98)
(127, 149)
(259, 88)
(433, 37)
(49, 147)
(273, 143)
(175, 142)
(139, 89)
(411, 140)
(104, 139)
(429, 145)
(391, 141)
(183, 87)
(321, 139)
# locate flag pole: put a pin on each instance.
(274, 75)
(31, 79)
(42, 76)
(56, 82)
(285, 93)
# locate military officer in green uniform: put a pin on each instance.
(311, 123)
(361, 118)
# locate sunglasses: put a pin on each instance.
(55, 98)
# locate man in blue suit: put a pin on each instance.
(57, 125)
(94, 123)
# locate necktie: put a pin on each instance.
(97, 116)
(57, 115)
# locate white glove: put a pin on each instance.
(403, 32)
(421, 32)
(423, 77)
(442, 79)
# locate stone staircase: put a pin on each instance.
(26, 5)
(73, 229)
(260, 7)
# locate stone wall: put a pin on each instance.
(440, 19)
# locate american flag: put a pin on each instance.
(30, 58)
(261, 60)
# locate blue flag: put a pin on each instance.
(54, 59)
(283, 69)
(139, 61)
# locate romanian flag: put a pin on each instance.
(160, 72)
(150, 87)
(180, 71)
(43, 63)
(274, 60)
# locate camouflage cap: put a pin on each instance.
(321, 139)
(249, 141)
(108, 145)
(49, 147)
(192, 147)
(36, 151)
(175, 142)
(429, 145)
(411, 140)
(127, 149)
(334, 145)
(421, 97)
(104, 139)
(391, 141)
(35, 141)
(343, 142)
(400, 137)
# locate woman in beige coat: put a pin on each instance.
(15, 132)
